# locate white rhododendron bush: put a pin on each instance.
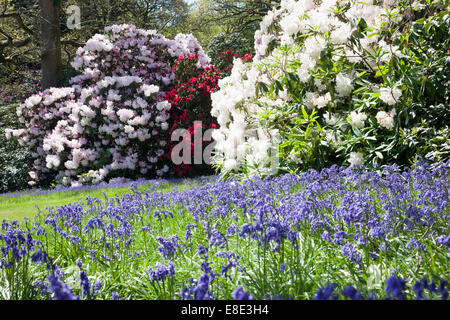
(113, 120)
(331, 82)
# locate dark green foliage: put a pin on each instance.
(430, 41)
(18, 84)
(14, 159)
(223, 42)
(428, 79)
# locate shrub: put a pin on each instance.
(224, 42)
(14, 159)
(228, 56)
(338, 82)
(191, 102)
(113, 120)
(20, 85)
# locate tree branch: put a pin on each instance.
(19, 20)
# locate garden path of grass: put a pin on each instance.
(25, 206)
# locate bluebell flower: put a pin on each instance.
(246, 230)
(160, 272)
(39, 257)
(338, 237)
(85, 284)
(115, 296)
(217, 239)
(371, 296)
(168, 245)
(198, 289)
(418, 289)
(384, 247)
(325, 236)
(43, 287)
(60, 289)
(395, 287)
(326, 293)
(96, 289)
(349, 250)
(240, 294)
(414, 243)
(232, 229)
(352, 293)
(443, 240)
(202, 250)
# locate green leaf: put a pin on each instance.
(305, 114)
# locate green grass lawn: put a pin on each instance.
(26, 206)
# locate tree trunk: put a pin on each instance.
(50, 39)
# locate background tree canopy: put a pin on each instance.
(19, 23)
(227, 19)
(222, 22)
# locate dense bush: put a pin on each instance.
(191, 101)
(113, 120)
(226, 43)
(338, 82)
(20, 85)
(14, 159)
(426, 130)
(15, 162)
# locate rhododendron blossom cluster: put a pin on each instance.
(191, 102)
(115, 118)
(227, 57)
(310, 55)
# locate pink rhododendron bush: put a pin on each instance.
(113, 121)
(337, 82)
